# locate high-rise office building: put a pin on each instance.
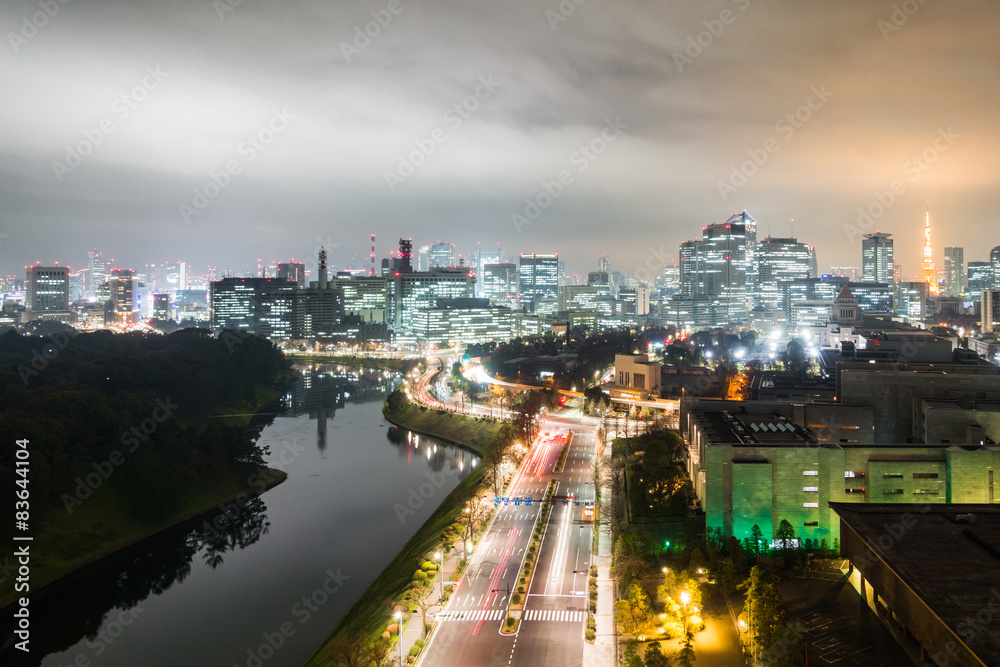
(46, 289)
(537, 279)
(500, 283)
(911, 300)
(264, 306)
(852, 273)
(777, 261)
(161, 306)
(441, 256)
(96, 273)
(979, 277)
(995, 265)
(877, 264)
(604, 264)
(292, 271)
(723, 270)
(123, 292)
(480, 259)
(954, 271)
(365, 296)
(411, 291)
(690, 275)
(990, 301)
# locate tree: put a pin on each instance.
(686, 656)
(768, 620)
(524, 415)
(756, 537)
(476, 509)
(423, 602)
(785, 533)
(631, 654)
(632, 611)
(655, 656)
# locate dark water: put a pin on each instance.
(262, 584)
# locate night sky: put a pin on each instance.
(115, 115)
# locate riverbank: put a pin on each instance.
(371, 613)
(101, 525)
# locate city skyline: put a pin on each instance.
(632, 108)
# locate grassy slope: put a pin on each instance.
(370, 613)
(65, 542)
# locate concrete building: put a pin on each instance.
(636, 377)
(778, 261)
(930, 573)
(365, 296)
(411, 291)
(758, 469)
(46, 293)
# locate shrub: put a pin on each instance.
(510, 621)
(392, 630)
(590, 635)
(427, 565)
(415, 650)
(420, 575)
(515, 598)
(522, 580)
(419, 643)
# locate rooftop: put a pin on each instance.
(950, 557)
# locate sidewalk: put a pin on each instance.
(412, 631)
(602, 652)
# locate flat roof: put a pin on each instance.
(726, 428)
(953, 567)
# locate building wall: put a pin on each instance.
(742, 486)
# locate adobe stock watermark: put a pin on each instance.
(302, 611)
(247, 151)
(454, 117)
(130, 439)
(31, 25)
(699, 43)
(109, 633)
(121, 109)
(913, 169)
(655, 261)
(418, 497)
(565, 9)
(900, 15)
(785, 128)
(363, 35)
(581, 158)
(223, 7)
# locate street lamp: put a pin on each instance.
(399, 634)
(685, 598)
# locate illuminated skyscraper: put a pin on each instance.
(929, 276)
(777, 261)
(538, 278)
(954, 271)
(876, 259)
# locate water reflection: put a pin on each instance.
(449, 460)
(319, 390)
(219, 611)
(113, 588)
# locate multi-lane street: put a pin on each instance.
(555, 610)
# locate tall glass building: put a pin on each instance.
(777, 261)
(537, 278)
(877, 259)
(954, 271)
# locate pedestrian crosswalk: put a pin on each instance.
(472, 615)
(555, 615)
(552, 615)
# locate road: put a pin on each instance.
(555, 612)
